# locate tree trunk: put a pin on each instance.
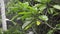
(4, 25)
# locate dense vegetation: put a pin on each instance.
(38, 16)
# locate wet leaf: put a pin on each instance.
(43, 17)
(56, 7)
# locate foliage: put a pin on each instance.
(36, 13)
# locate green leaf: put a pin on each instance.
(25, 16)
(26, 3)
(56, 7)
(43, 17)
(43, 1)
(30, 18)
(51, 32)
(56, 13)
(25, 24)
(40, 7)
(27, 27)
(50, 10)
(58, 26)
(24, 13)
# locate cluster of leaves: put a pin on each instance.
(28, 14)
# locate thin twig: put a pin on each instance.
(49, 25)
(34, 30)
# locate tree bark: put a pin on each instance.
(4, 24)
